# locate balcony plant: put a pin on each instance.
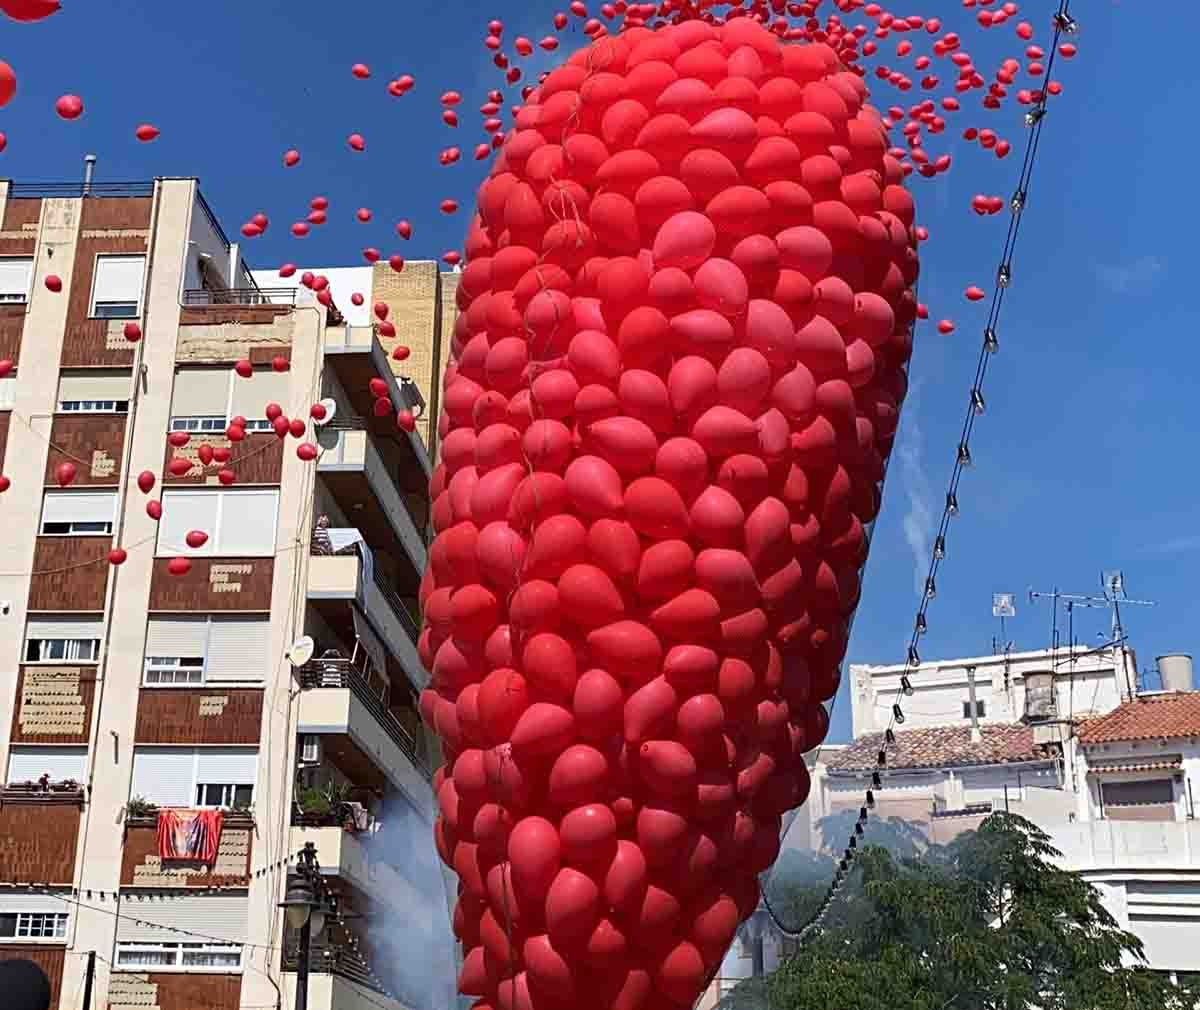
(139, 806)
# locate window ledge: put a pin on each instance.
(163, 969)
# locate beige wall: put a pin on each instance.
(423, 310)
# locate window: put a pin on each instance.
(179, 955)
(50, 640)
(205, 398)
(94, 391)
(238, 523)
(78, 513)
(209, 424)
(33, 925)
(8, 391)
(30, 763)
(980, 709)
(183, 651)
(117, 287)
(195, 776)
(165, 671)
(223, 794)
(1133, 794)
(16, 278)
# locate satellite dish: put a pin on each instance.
(330, 405)
(301, 651)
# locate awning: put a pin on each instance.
(1168, 763)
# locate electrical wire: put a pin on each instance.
(1034, 120)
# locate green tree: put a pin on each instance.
(985, 923)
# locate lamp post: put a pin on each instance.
(306, 913)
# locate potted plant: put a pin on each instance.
(313, 803)
(139, 806)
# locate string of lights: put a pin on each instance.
(1063, 23)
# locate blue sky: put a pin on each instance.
(1086, 457)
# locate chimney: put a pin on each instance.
(89, 170)
(976, 736)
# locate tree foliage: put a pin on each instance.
(988, 922)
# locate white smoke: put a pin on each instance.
(410, 943)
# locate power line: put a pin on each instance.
(1034, 120)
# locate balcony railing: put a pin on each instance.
(341, 673)
(66, 190)
(240, 296)
(327, 958)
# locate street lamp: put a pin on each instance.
(305, 913)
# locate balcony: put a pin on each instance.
(336, 990)
(283, 297)
(1099, 847)
(346, 855)
(356, 357)
(361, 732)
(354, 468)
(38, 832)
(339, 579)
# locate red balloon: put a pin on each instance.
(179, 566)
(196, 539)
(280, 364)
(306, 451)
(117, 556)
(146, 133)
(145, 481)
(6, 367)
(8, 83)
(356, 142)
(291, 158)
(69, 107)
(53, 283)
(132, 332)
(29, 10)
(179, 438)
(206, 453)
(179, 466)
(5, 483)
(244, 368)
(361, 71)
(65, 473)
(154, 510)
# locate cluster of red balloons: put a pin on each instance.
(674, 382)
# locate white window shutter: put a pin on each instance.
(237, 649)
(96, 384)
(184, 511)
(220, 916)
(79, 507)
(16, 275)
(227, 764)
(176, 636)
(247, 523)
(251, 396)
(64, 627)
(201, 392)
(119, 279)
(28, 764)
(8, 392)
(164, 775)
(15, 901)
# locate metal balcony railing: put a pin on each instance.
(240, 296)
(341, 673)
(66, 190)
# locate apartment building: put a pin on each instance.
(208, 620)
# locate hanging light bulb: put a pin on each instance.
(853, 842)
(939, 548)
(914, 659)
(991, 343)
(1034, 116)
(1004, 275)
(964, 454)
(1065, 23)
(870, 799)
(898, 713)
(862, 814)
(922, 625)
(876, 780)
(881, 758)
(930, 588)
(858, 829)
(977, 403)
(906, 686)
(951, 504)
(889, 736)
(1018, 201)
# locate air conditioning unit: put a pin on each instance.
(310, 749)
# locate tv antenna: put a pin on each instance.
(1003, 607)
(1112, 584)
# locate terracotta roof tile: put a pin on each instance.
(939, 746)
(1156, 717)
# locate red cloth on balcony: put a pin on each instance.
(194, 835)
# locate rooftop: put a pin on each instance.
(1150, 717)
(939, 747)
